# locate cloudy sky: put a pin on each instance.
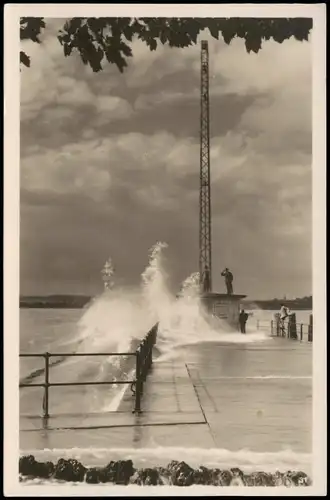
(110, 166)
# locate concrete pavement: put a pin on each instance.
(230, 396)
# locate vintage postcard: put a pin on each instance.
(164, 236)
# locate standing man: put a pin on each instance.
(243, 317)
(228, 280)
(284, 313)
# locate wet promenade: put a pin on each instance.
(255, 396)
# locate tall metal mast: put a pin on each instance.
(205, 247)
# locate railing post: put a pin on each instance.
(138, 382)
(301, 332)
(292, 326)
(151, 348)
(310, 328)
(150, 344)
(144, 360)
(277, 323)
(272, 327)
(46, 390)
(258, 325)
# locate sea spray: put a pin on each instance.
(114, 323)
(185, 322)
(107, 274)
(158, 300)
(117, 320)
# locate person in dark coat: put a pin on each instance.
(228, 280)
(243, 317)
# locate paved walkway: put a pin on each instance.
(230, 396)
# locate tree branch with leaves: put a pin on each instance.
(109, 39)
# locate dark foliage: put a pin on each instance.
(98, 40)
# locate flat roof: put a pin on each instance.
(213, 295)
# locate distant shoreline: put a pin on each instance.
(305, 304)
(55, 302)
(79, 301)
(50, 306)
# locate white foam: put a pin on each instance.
(119, 318)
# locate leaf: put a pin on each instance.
(95, 65)
(30, 28)
(213, 29)
(153, 44)
(84, 58)
(301, 29)
(125, 49)
(253, 44)
(67, 50)
(301, 37)
(163, 37)
(128, 33)
(73, 25)
(120, 62)
(24, 59)
(227, 36)
(64, 38)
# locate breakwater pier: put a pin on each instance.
(214, 396)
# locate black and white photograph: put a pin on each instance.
(167, 199)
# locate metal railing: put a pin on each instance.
(288, 329)
(143, 364)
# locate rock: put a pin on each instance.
(120, 472)
(248, 480)
(172, 465)
(225, 478)
(147, 477)
(69, 470)
(28, 466)
(181, 473)
(92, 476)
(96, 475)
(278, 478)
(295, 478)
(287, 479)
(44, 470)
(165, 475)
(206, 476)
(238, 478)
(262, 479)
(300, 479)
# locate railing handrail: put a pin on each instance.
(288, 327)
(143, 356)
(286, 321)
(64, 384)
(72, 354)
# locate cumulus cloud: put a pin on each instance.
(120, 155)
